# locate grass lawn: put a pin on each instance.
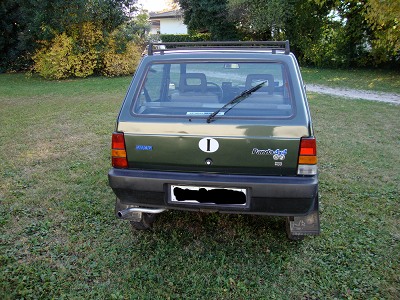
(364, 79)
(59, 237)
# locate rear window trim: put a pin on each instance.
(148, 65)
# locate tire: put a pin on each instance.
(146, 222)
(289, 234)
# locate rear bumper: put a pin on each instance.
(268, 195)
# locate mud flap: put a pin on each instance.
(305, 225)
(299, 226)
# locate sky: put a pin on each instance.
(153, 5)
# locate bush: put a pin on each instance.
(85, 50)
(53, 61)
(70, 55)
(89, 41)
(117, 63)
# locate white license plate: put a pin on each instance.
(208, 195)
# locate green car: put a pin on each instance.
(217, 127)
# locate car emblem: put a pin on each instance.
(208, 145)
(276, 154)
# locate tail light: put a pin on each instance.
(118, 151)
(307, 164)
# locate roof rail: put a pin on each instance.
(170, 46)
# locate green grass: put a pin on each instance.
(376, 80)
(59, 237)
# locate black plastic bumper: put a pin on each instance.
(268, 195)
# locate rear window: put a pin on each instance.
(237, 89)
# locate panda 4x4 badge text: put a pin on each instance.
(276, 154)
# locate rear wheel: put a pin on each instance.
(145, 223)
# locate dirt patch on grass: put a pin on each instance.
(355, 94)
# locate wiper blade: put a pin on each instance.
(236, 100)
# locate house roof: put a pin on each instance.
(167, 14)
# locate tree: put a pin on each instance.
(260, 19)
(25, 22)
(384, 19)
(300, 21)
(9, 30)
(209, 16)
(369, 31)
(172, 5)
(352, 44)
(336, 33)
(140, 26)
(306, 26)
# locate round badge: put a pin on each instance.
(208, 145)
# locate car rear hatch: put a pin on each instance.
(219, 147)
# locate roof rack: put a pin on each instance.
(170, 46)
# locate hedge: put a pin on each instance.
(185, 37)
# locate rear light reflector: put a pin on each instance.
(118, 151)
(119, 162)
(118, 140)
(308, 146)
(307, 164)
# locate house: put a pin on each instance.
(169, 22)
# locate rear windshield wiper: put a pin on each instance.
(236, 100)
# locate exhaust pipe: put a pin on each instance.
(123, 214)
